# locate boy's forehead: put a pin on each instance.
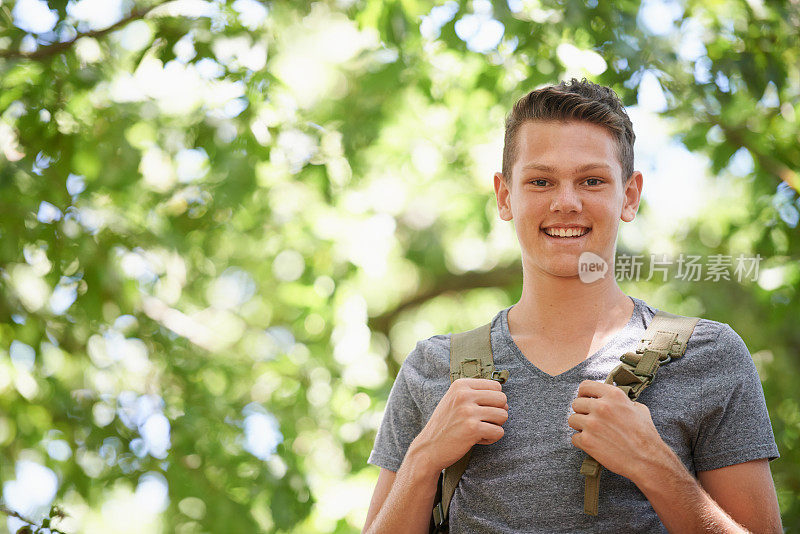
(557, 145)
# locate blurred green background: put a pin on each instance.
(224, 224)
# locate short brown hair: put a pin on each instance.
(572, 101)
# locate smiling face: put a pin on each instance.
(566, 195)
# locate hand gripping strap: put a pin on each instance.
(664, 340)
(470, 357)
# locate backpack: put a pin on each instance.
(471, 357)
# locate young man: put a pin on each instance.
(690, 456)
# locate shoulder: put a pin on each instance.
(429, 358)
(429, 361)
(426, 366)
(707, 334)
(719, 346)
(713, 345)
(714, 335)
(718, 354)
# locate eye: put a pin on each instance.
(594, 181)
(539, 182)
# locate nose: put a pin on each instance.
(565, 198)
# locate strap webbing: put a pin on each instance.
(471, 354)
(664, 340)
(470, 357)
(452, 475)
(667, 322)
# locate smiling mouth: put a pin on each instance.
(566, 233)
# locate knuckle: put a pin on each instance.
(464, 411)
(617, 393)
(591, 425)
(603, 408)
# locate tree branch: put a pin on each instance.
(451, 283)
(56, 48)
(500, 277)
(767, 162)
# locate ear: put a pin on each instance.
(503, 197)
(632, 196)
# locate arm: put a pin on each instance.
(756, 509)
(729, 499)
(382, 488)
(472, 411)
(621, 435)
(403, 501)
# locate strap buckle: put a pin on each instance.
(590, 467)
(500, 376)
(650, 376)
(664, 356)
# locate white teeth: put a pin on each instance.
(566, 232)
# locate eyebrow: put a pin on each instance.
(582, 168)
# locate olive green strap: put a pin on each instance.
(664, 340)
(471, 354)
(452, 475)
(591, 469)
(470, 357)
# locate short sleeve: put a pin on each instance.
(734, 424)
(403, 418)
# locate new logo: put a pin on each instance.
(591, 267)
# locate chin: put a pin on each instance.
(561, 269)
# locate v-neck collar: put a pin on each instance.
(506, 333)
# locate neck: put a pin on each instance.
(564, 307)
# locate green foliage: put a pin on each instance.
(273, 238)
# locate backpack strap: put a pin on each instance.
(664, 340)
(470, 357)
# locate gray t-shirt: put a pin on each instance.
(708, 406)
